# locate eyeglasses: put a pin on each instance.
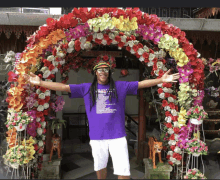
(104, 69)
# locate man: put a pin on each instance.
(105, 107)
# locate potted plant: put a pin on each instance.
(19, 120)
(196, 115)
(196, 147)
(194, 174)
(56, 123)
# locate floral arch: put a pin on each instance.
(56, 46)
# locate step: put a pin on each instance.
(212, 131)
(213, 120)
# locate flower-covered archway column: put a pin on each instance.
(56, 46)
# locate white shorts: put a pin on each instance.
(118, 150)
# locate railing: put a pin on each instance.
(30, 10)
(174, 12)
(128, 127)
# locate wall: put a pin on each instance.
(72, 105)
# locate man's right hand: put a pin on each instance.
(33, 79)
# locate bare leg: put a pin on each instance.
(124, 177)
(101, 174)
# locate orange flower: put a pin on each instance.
(18, 107)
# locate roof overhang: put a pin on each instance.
(191, 24)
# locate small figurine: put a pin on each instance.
(56, 145)
(154, 147)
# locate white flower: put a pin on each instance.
(162, 95)
(100, 36)
(46, 105)
(175, 124)
(70, 49)
(40, 143)
(38, 119)
(43, 137)
(160, 65)
(43, 69)
(170, 153)
(39, 131)
(173, 159)
(170, 142)
(55, 63)
(157, 72)
(51, 58)
(104, 42)
(176, 137)
(151, 57)
(132, 51)
(62, 62)
(141, 58)
(123, 39)
(140, 51)
(160, 85)
(165, 89)
(48, 80)
(131, 43)
(150, 63)
(146, 49)
(36, 104)
(114, 42)
(177, 162)
(136, 42)
(82, 40)
(43, 124)
(174, 112)
(164, 68)
(111, 36)
(88, 45)
(170, 131)
(41, 96)
(55, 70)
(71, 44)
(46, 74)
(40, 108)
(177, 150)
(47, 92)
(170, 99)
(167, 108)
(168, 119)
(38, 91)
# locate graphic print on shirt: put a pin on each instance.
(101, 103)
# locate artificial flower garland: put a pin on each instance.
(76, 38)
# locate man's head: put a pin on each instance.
(102, 70)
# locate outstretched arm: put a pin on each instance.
(153, 82)
(35, 80)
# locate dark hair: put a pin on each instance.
(94, 92)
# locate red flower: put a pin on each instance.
(40, 75)
(106, 37)
(51, 67)
(105, 58)
(172, 147)
(41, 101)
(176, 130)
(172, 137)
(135, 48)
(164, 103)
(44, 131)
(51, 76)
(89, 38)
(40, 150)
(47, 98)
(128, 48)
(160, 90)
(167, 113)
(167, 95)
(117, 38)
(170, 163)
(43, 89)
(35, 147)
(109, 41)
(45, 112)
(54, 52)
(168, 125)
(12, 77)
(99, 41)
(38, 125)
(39, 114)
(42, 119)
(36, 96)
(121, 44)
(174, 118)
(168, 157)
(145, 55)
(172, 105)
(47, 63)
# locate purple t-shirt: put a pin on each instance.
(106, 119)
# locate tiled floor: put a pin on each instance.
(78, 164)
